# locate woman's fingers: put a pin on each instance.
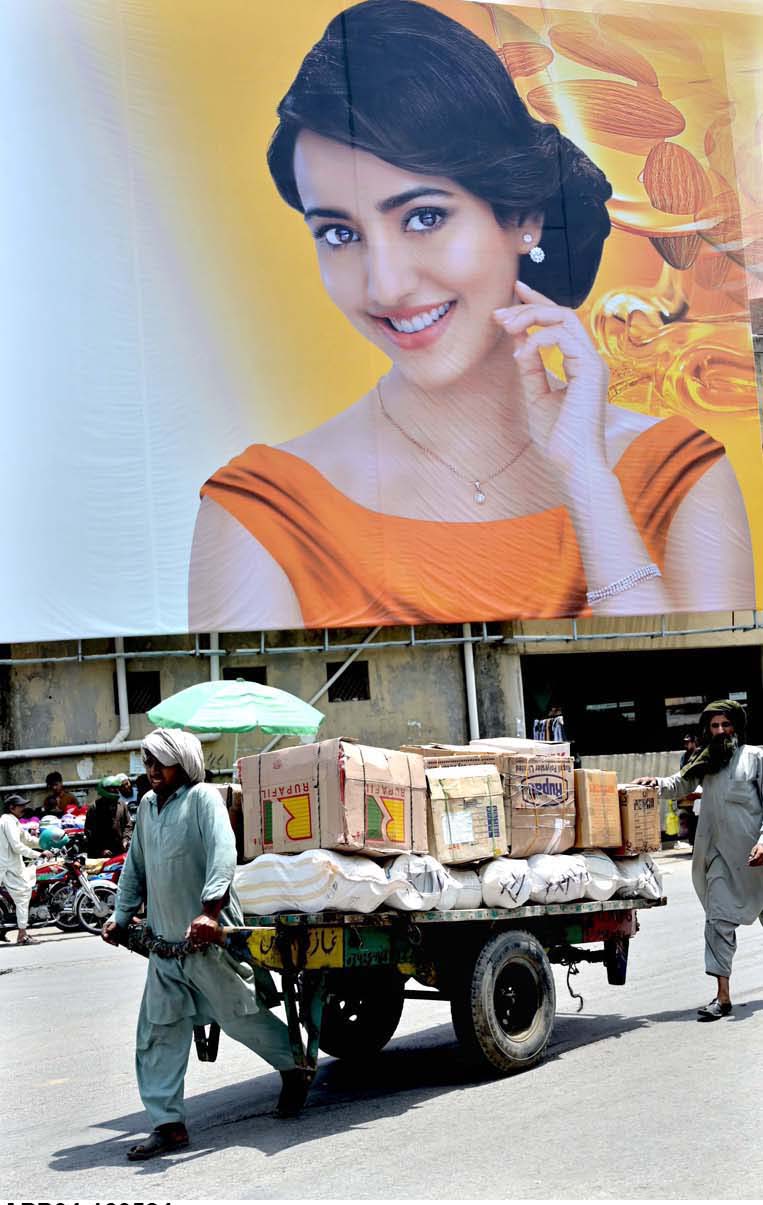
(518, 318)
(571, 346)
(525, 294)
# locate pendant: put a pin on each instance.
(479, 497)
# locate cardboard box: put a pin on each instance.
(639, 819)
(341, 795)
(251, 807)
(598, 809)
(440, 755)
(539, 799)
(465, 817)
(522, 744)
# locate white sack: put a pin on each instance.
(604, 875)
(467, 889)
(312, 881)
(639, 876)
(426, 884)
(506, 883)
(557, 878)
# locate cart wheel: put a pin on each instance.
(361, 1012)
(616, 960)
(503, 1012)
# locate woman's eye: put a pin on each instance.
(336, 236)
(425, 219)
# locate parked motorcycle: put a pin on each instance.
(52, 901)
(95, 902)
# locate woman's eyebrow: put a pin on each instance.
(317, 212)
(411, 194)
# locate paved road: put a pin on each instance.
(636, 1100)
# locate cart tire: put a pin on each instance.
(503, 1012)
(616, 960)
(361, 1012)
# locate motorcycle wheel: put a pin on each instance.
(85, 910)
(61, 907)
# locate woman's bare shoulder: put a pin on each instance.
(234, 583)
(623, 426)
(340, 447)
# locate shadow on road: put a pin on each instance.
(409, 1072)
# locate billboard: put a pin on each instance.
(398, 312)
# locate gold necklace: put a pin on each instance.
(479, 495)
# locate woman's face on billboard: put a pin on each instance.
(415, 262)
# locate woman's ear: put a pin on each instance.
(529, 233)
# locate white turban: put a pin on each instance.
(173, 747)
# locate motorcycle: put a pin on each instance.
(52, 901)
(94, 902)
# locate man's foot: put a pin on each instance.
(714, 1010)
(162, 1141)
(295, 1087)
(27, 941)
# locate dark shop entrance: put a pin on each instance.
(639, 702)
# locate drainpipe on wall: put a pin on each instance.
(471, 684)
(214, 660)
(118, 742)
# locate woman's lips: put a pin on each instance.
(414, 340)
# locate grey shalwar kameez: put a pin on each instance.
(730, 824)
(179, 858)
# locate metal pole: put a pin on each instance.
(471, 685)
(319, 693)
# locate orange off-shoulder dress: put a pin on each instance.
(349, 565)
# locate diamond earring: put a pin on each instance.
(527, 238)
(537, 255)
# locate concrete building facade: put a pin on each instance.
(623, 686)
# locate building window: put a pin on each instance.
(352, 686)
(143, 691)
(250, 673)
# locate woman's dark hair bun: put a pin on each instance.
(401, 80)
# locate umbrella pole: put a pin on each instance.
(235, 752)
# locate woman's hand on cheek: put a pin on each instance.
(582, 405)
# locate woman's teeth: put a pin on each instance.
(408, 326)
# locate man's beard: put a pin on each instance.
(721, 750)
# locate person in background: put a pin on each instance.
(15, 847)
(690, 742)
(58, 801)
(728, 848)
(108, 823)
(142, 786)
(128, 793)
(181, 864)
(690, 804)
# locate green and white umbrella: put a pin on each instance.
(236, 706)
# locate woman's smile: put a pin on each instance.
(414, 327)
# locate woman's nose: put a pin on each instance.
(391, 273)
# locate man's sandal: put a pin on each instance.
(28, 941)
(713, 1011)
(161, 1141)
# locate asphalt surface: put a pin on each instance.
(635, 1100)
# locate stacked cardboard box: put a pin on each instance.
(465, 819)
(539, 801)
(337, 795)
(598, 810)
(639, 819)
